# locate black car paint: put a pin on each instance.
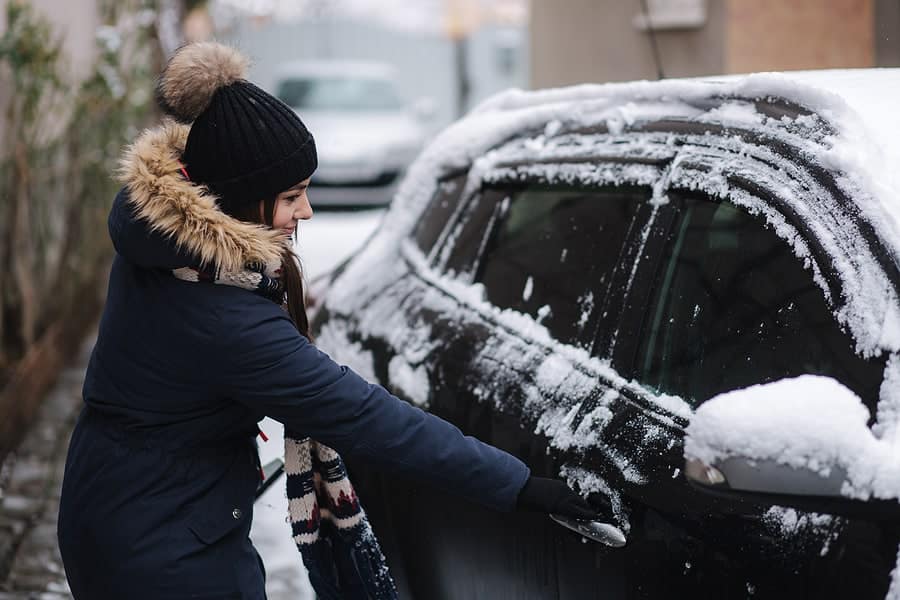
(682, 542)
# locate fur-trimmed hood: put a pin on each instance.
(187, 212)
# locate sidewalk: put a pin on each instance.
(30, 481)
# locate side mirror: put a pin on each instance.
(801, 442)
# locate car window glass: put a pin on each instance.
(468, 236)
(437, 213)
(733, 307)
(339, 93)
(554, 251)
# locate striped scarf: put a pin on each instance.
(329, 526)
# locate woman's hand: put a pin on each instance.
(541, 494)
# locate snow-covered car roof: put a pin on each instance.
(840, 126)
(841, 122)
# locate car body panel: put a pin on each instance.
(419, 320)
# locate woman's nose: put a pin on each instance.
(304, 211)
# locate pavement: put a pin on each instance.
(30, 482)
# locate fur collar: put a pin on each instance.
(186, 212)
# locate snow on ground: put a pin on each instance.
(286, 577)
(330, 237)
(324, 242)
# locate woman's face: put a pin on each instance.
(292, 206)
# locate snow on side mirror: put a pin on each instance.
(801, 442)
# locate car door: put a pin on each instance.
(515, 292)
(680, 541)
(721, 302)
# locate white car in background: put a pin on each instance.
(366, 133)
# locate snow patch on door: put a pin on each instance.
(333, 339)
(412, 381)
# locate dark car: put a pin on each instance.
(570, 274)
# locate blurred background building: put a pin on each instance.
(453, 52)
(574, 41)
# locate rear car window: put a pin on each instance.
(438, 212)
(553, 252)
(733, 306)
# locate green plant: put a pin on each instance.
(60, 143)
(30, 54)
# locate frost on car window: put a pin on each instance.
(733, 307)
(465, 241)
(521, 267)
(436, 215)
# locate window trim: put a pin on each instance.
(619, 275)
(462, 200)
(692, 140)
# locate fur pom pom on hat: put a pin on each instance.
(194, 74)
(244, 144)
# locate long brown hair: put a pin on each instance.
(291, 274)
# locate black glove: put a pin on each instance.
(554, 496)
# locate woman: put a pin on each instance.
(162, 466)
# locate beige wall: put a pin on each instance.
(574, 41)
(765, 35)
(76, 22)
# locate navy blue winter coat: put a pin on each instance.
(162, 467)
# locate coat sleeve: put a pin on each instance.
(275, 371)
(138, 244)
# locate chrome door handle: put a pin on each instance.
(598, 531)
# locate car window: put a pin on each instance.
(732, 306)
(553, 253)
(469, 234)
(339, 93)
(438, 212)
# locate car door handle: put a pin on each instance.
(598, 531)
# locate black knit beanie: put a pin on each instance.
(244, 144)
